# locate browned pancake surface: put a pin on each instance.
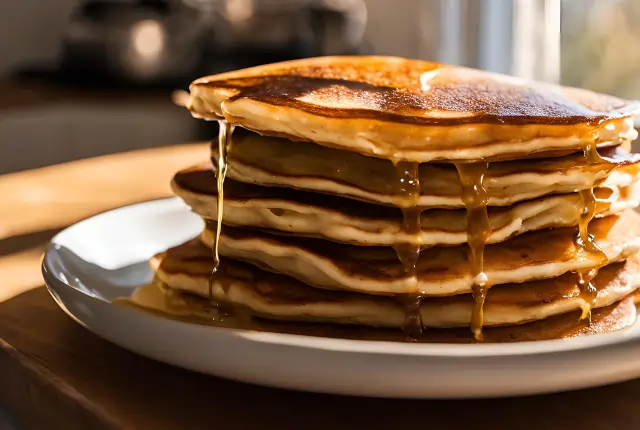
(195, 309)
(302, 165)
(440, 270)
(293, 212)
(187, 268)
(412, 110)
(417, 92)
(194, 259)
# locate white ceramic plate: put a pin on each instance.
(105, 257)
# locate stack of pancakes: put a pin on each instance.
(409, 197)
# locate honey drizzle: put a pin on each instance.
(474, 197)
(584, 240)
(224, 145)
(409, 252)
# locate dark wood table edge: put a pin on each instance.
(39, 397)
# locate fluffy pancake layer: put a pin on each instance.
(440, 270)
(298, 213)
(188, 268)
(412, 110)
(306, 166)
(157, 297)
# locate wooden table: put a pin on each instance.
(55, 374)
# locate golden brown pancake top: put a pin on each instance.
(412, 110)
(414, 91)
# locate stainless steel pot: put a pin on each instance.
(141, 42)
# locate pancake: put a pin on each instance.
(306, 166)
(440, 270)
(412, 110)
(293, 212)
(159, 299)
(188, 268)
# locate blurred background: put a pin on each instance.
(81, 78)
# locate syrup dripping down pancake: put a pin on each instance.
(293, 212)
(187, 268)
(411, 110)
(441, 271)
(306, 166)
